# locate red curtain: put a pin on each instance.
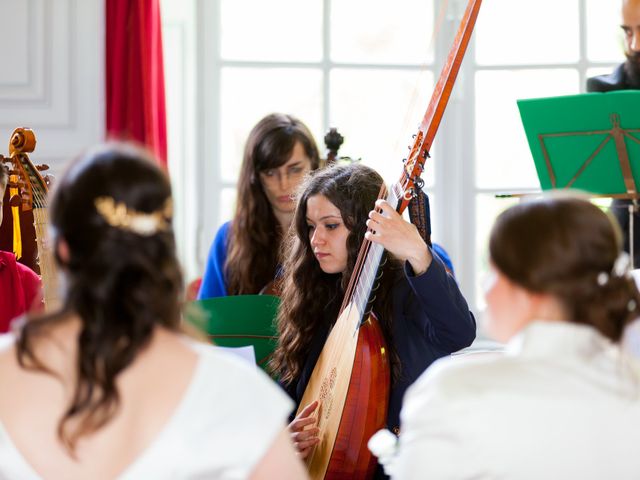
(135, 74)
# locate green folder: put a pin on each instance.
(238, 321)
(589, 142)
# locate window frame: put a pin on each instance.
(455, 191)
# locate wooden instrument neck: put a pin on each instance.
(367, 268)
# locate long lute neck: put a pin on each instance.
(366, 270)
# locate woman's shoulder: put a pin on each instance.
(227, 419)
(232, 408)
(465, 376)
(221, 242)
(6, 256)
(223, 232)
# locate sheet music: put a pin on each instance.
(247, 353)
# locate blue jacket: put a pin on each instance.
(213, 281)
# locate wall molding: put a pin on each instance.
(56, 85)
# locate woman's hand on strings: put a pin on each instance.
(304, 439)
(399, 237)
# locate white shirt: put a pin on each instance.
(631, 338)
(228, 418)
(562, 403)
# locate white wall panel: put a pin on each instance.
(52, 77)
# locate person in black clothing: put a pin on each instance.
(626, 76)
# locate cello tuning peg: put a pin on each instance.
(48, 179)
(42, 167)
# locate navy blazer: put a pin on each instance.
(617, 80)
(431, 319)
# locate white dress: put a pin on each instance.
(562, 403)
(223, 426)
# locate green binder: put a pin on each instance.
(589, 142)
(238, 321)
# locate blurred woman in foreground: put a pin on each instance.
(109, 387)
(564, 402)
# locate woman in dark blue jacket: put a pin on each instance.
(421, 311)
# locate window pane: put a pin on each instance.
(548, 34)
(378, 111)
(503, 159)
(366, 31)
(249, 94)
(285, 30)
(438, 228)
(604, 35)
(487, 209)
(227, 205)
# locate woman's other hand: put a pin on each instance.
(398, 236)
(303, 438)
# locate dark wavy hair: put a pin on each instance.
(255, 235)
(119, 283)
(310, 296)
(559, 246)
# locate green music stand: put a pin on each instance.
(589, 142)
(238, 321)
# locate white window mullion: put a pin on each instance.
(326, 69)
(208, 114)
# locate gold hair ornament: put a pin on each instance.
(118, 215)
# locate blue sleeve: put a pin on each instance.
(444, 256)
(447, 322)
(213, 281)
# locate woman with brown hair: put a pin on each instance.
(109, 387)
(243, 258)
(422, 313)
(564, 402)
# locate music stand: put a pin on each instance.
(238, 321)
(589, 142)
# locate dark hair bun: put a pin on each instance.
(563, 246)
